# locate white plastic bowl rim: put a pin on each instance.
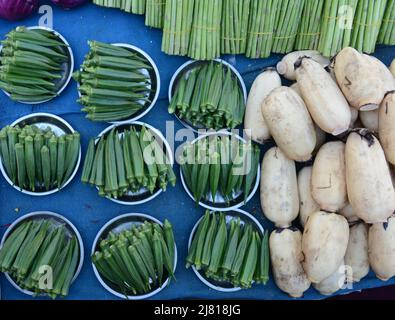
(184, 66)
(71, 62)
(236, 206)
(97, 274)
(53, 215)
(168, 152)
(157, 75)
(46, 193)
(203, 279)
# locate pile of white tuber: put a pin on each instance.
(341, 114)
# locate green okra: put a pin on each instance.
(121, 171)
(264, 259)
(241, 251)
(11, 247)
(219, 246)
(20, 164)
(209, 242)
(30, 162)
(46, 167)
(169, 238)
(73, 150)
(24, 45)
(250, 263)
(92, 176)
(158, 254)
(200, 242)
(148, 156)
(12, 136)
(137, 156)
(231, 250)
(60, 166)
(5, 153)
(38, 144)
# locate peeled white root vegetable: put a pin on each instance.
(357, 257)
(254, 123)
(370, 120)
(324, 100)
(328, 181)
(382, 249)
(279, 188)
(348, 213)
(295, 87)
(334, 283)
(324, 245)
(392, 68)
(387, 126)
(286, 67)
(290, 123)
(308, 206)
(286, 258)
(369, 183)
(363, 79)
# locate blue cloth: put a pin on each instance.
(80, 203)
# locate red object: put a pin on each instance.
(17, 9)
(67, 4)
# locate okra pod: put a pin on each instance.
(201, 240)
(219, 245)
(149, 158)
(88, 164)
(60, 166)
(73, 151)
(53, 152)
(264, 259)
(139, 265)
(46, 167)
(20, 164)
(169, 237)
(11, 247)
(209, 242)
(107, 73)
(241, 251)
(231, 249)
(215, 172)
(5, 153)
(168, 263)
(30, 162)
(38, 144)
(251, 259)
(158, 254)
(23, 45)
(12, 136)
(137, 156)
(190, 260)
(122, 183)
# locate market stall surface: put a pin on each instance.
(81, 204)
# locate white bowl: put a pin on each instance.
(69, 65)
(215, 206)
(190, 65)
(229, 215)
(115, 225)
(156, 81)
(48, 215)
(169, 153)
(59, 126)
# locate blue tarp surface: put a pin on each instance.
(80, 203)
